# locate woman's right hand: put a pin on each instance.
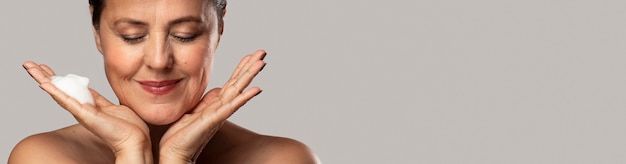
(124, 131)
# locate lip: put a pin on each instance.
(159, 87)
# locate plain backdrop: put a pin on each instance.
(364, 81)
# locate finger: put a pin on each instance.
(227, 109)
(235, 73)
(32, 65)
(245, 63)
(243, 81)
(100, 100)
(29, 64)
(258, 56)
(36, 72)
(254, 57)
(247, 76)
(67, 102)
(47, 70)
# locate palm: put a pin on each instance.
(117, 125)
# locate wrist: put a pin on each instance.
(168, 160)
(175, 157)
(140, 154)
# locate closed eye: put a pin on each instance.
(133, 39)
(185, 38)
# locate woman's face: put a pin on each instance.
(158, 54)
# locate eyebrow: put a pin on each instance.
(170, 23)
(185, 19)
(129, 21)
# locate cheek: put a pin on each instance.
(196, 62)
(121, 62)
(120, 58)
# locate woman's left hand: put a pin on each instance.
(186, 138)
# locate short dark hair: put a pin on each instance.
(98, 5)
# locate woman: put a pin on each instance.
(157, 56)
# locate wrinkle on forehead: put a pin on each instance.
(167, 10)
(162, 12)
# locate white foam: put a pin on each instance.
(75, 86)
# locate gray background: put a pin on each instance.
(363, 81)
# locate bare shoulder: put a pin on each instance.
(284, 150)
(235, 144)
(38, 148)
(50, 147)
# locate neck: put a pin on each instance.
(156, 133)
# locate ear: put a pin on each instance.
(222, 24)
(96, 32)
(96, 35)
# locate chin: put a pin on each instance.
(160, 115)
(161, 121)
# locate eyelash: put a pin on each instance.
(185, 39)
(133, 40)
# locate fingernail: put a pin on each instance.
(262, 67)
(258, 93)
(24, 67)
(263, 57)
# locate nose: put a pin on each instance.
(158, 54)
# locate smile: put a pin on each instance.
(159, 87)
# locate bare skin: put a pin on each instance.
(157, 56)
(231, 144)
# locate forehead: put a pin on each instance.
(156, 11)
